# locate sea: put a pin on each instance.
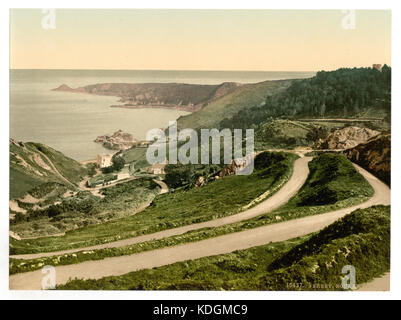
(69, 122)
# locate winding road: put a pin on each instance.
(219, 245)
(300, 173)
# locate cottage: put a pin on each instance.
(157, 168)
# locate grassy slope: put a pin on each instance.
(69, 168)
(217, 199)
(25, 177)
(248, 95)
(347, 179)
(85, 209)
(361, 239)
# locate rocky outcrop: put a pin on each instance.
(236, 164)
(119, 140)
(167, 95)
(374, 156)
(346, 138)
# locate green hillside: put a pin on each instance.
(220, 198)
(361, 239)
(242, 98)
(32, 164)
(345, 93)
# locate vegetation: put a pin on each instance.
(292, 210)
(290, 133)
(220, 198)
(240, 100)
(344, 93)
(118, 163)
(83, 209)
(178, 175)
(136, 157)
(70, 169)
(331, 179)
(102, 179)
(313, 262)
(30, 167)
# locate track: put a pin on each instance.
(209, 247)
(296, 181)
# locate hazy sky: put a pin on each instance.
(199, 39)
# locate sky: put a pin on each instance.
(254, 40)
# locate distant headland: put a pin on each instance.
(187, 97)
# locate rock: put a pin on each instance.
(236, 164)
(374, 156)
(63, 87)
(346, 138)
(200, 182)
(119, 140)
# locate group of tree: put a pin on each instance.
(343, 92)
(118, 163)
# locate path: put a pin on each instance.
(378, 284)
(281, 197)
(219, 245)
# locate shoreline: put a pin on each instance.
(135, 106)
(132, 106)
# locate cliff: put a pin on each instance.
(119, 140)
(346, 138)
(32, 164)
(189, 97)
(374, 156)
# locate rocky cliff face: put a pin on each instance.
(190, 96)
(374, 156)
(346, 138)
(119, 140)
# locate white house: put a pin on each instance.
(104, 160)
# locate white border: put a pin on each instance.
(205, 4)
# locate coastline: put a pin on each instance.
(132, 106)
(179, 108)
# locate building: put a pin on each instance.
(377, 67)
(104, 160)
(122, 176)
(157, 168)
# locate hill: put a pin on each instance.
(312, 262)
(243, 98)
(345, 93)
(33, 164)
(190, 97)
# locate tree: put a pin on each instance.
(118, 163)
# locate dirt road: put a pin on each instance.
(378, 284)
(209, 247)
(296, 181)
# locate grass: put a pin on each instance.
(102, 179)
(20, 183)
(287, 134)
(312, 262)
(69, 168)
(29, 168)
(246, 96)
(347, 178)
(223, 197)
(83, 209)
